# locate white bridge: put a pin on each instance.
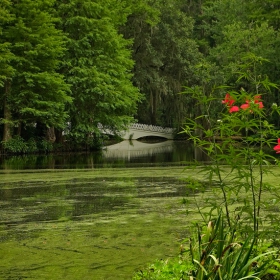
(137, 130)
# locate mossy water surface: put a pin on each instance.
(89, 224)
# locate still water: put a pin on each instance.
(82, 216)
(124, 154)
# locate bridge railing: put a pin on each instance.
(143, 127)
(153, 128)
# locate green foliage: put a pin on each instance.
(163, 54)
(31, 145)
(32, 89)
(93, 62)
(238, 166)
(43, 49)
(266, 11)
(18, 145)
(45, 146)
(6, 69)
(38, 92)
(15, 145)
(237, 243)
(218, 253)
(236, 143)
(97, 65)
(237, 40)
(171, 269)
(229, 29)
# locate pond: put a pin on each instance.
(92, 216)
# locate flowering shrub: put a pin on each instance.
(238, 143)
(229, 101)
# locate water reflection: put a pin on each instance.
(133, 149)
(23, 202)
(71, 201)
(124, 154)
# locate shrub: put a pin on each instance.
(45, 146)
(170, 269)
(15, 145)
(237, 143)
(31, 146)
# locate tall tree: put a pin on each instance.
(6, 69)
(164, 52)
(35, 92)
(97, 66)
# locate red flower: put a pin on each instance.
(277, 147)
(245, 105)
(234, 109)
(228, 100)
(261, 105)
(257, 100)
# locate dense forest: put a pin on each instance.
(67, 66)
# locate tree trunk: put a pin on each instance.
(59, 136)
(7, 134)
(19, 128)
(50, 135)
(153, 104)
